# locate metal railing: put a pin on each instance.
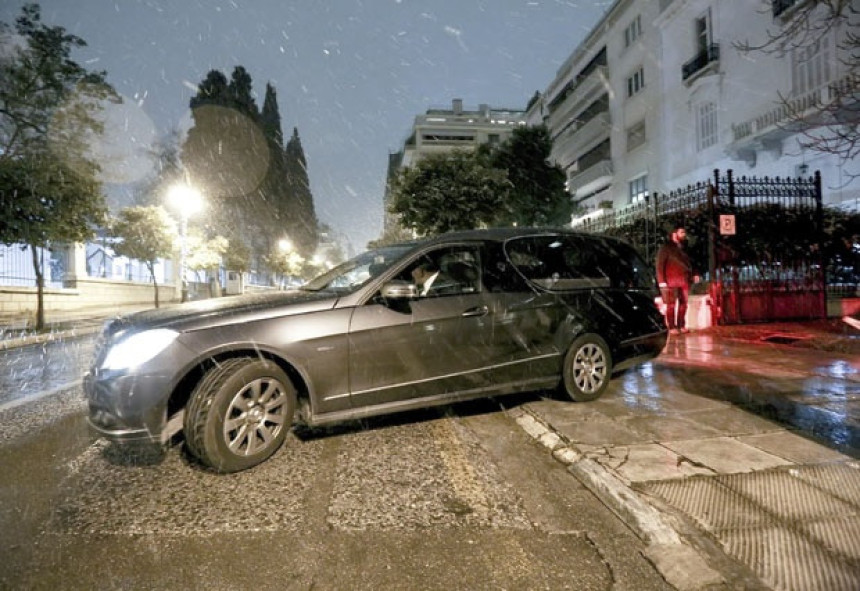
(708, 55)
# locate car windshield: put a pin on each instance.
(354, 273)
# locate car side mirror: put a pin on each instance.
(399, 289)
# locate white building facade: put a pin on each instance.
(603, 109)
(441, 130)
(659, 95)
(725, 108)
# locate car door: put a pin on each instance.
(433, 345)
(525, 320)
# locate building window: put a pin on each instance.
(638, 189)
(636, 82)
(810, 66)
(706, 126)
(704, 35)
(633, 31)
(636, 136)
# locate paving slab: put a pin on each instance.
(732, 421)
(659, 428)
(793, 447)
(726, 455)
(600, 433)
(642, 463)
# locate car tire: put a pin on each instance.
(587, 368)
(239, 414)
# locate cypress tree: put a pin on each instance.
(303, 219)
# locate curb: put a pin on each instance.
(681, 565)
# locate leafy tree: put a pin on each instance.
(48, 105)
(205, 254)
(451, 191)
(537, 196)
(146, 234)
(286, 262)
(391, 235)
(832, 124)
(238, 256)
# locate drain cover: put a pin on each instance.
(784, 339)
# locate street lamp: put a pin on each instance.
(187, 201)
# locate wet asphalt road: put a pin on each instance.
(456, 499)
(459, 498)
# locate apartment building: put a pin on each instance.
(727, 108)
(603, 109)
(441, 130)
(659, 95)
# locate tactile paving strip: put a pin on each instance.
(797, 528)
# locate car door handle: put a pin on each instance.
(479, 311)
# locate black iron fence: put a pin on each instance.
(765, 247)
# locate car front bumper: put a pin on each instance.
(127, 408)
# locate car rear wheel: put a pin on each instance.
(239, 414)
(587, 368)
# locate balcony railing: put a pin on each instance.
(704, 58)
(565, 109)
(592, 178)
(785, 113)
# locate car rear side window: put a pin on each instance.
(569, 262)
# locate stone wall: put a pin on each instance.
(80, 294)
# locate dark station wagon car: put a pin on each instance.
(508, 310)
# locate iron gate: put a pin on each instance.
(769, 269)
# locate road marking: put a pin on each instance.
(39, 395)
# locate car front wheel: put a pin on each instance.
(587, 368)
(239, 414)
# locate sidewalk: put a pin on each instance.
(691, 471)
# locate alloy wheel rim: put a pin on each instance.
(255, 417)
(589, 368)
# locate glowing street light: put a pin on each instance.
(187, 201)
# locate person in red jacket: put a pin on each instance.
(675, 274)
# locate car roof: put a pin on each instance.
(499, 234)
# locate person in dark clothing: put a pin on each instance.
(675, 274)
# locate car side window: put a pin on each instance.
(444, 272)
(558, 263)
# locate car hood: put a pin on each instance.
(225, 310)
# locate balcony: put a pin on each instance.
(575, 138)
(785, 8)
(578, 98)
(591, 179)
(768, 128)
(704, 62)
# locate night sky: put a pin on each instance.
(350, 74)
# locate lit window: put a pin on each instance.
(706, 126)
(638, 189)
(636, 82)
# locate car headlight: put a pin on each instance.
(138, 348)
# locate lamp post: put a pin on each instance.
(187, 201)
